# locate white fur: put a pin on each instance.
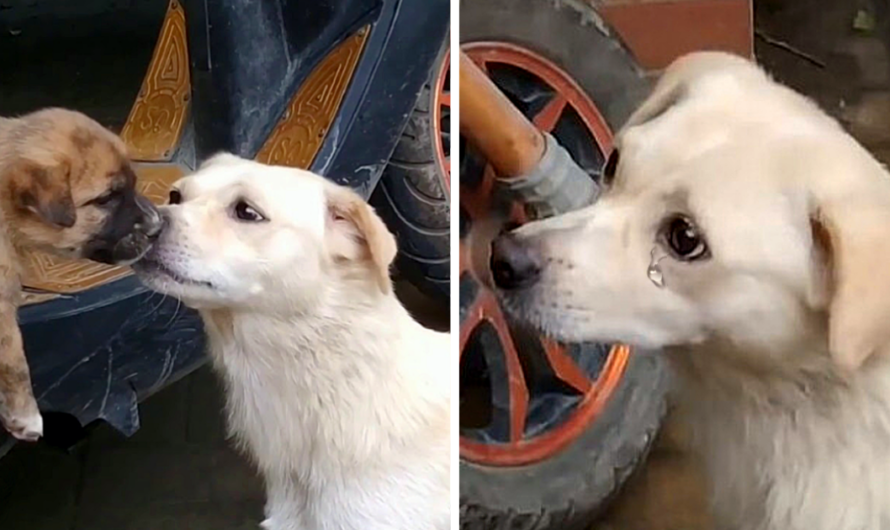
(780, 341)
(338, 394)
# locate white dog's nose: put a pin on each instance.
(152, 222)
(514, 263)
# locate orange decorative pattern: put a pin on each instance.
(52, 273)
(152, 132)
(158, 116)
(299, 134)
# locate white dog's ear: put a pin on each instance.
(354, 219)
(221, 158)
(666, 94)
(683, 76)
(854, 235)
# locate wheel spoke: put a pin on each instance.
(481, 62)
(548, 117)
(519, 395)
(517, 213)
(486, 308)
(464, 256)
(474, 316)
(477, 202)
(565, 367)
(445, 99)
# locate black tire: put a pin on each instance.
(567, 490)
(413, 200)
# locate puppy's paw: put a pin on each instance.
(27, 428)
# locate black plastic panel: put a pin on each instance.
(249, 56)
(89, 55)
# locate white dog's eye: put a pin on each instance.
(684, 239)
(247, 213)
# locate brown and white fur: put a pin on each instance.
(778, 325)
(341, 398)
(67, 188)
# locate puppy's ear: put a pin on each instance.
(352, 218)
(46, 191)
(854, 237)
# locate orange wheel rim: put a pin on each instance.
(441, 113)
(515, 436)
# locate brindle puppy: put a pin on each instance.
(66, 187)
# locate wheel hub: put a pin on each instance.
(524, 397)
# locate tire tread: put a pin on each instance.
(413, 201)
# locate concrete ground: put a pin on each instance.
(177, 473)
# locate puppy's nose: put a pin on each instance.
(158, 225)
(514, 265)
(152, 221)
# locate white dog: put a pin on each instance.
(339, 395)
(743, 231)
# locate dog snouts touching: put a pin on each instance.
(153, 221)
(514, 264)
(158, 228)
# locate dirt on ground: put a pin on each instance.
(667, 493)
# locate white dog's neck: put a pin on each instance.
(332, 318)
(720, 370)
(337, 405)
(800, 437)
(302, 361)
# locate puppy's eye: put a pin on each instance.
(247, 213)
(105, 198)
(611, 167)
(684, 239)
(175, 197)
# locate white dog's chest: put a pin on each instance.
(802, 471)
(298, 418)
(335, 457)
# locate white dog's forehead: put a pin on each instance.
(289, 195)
